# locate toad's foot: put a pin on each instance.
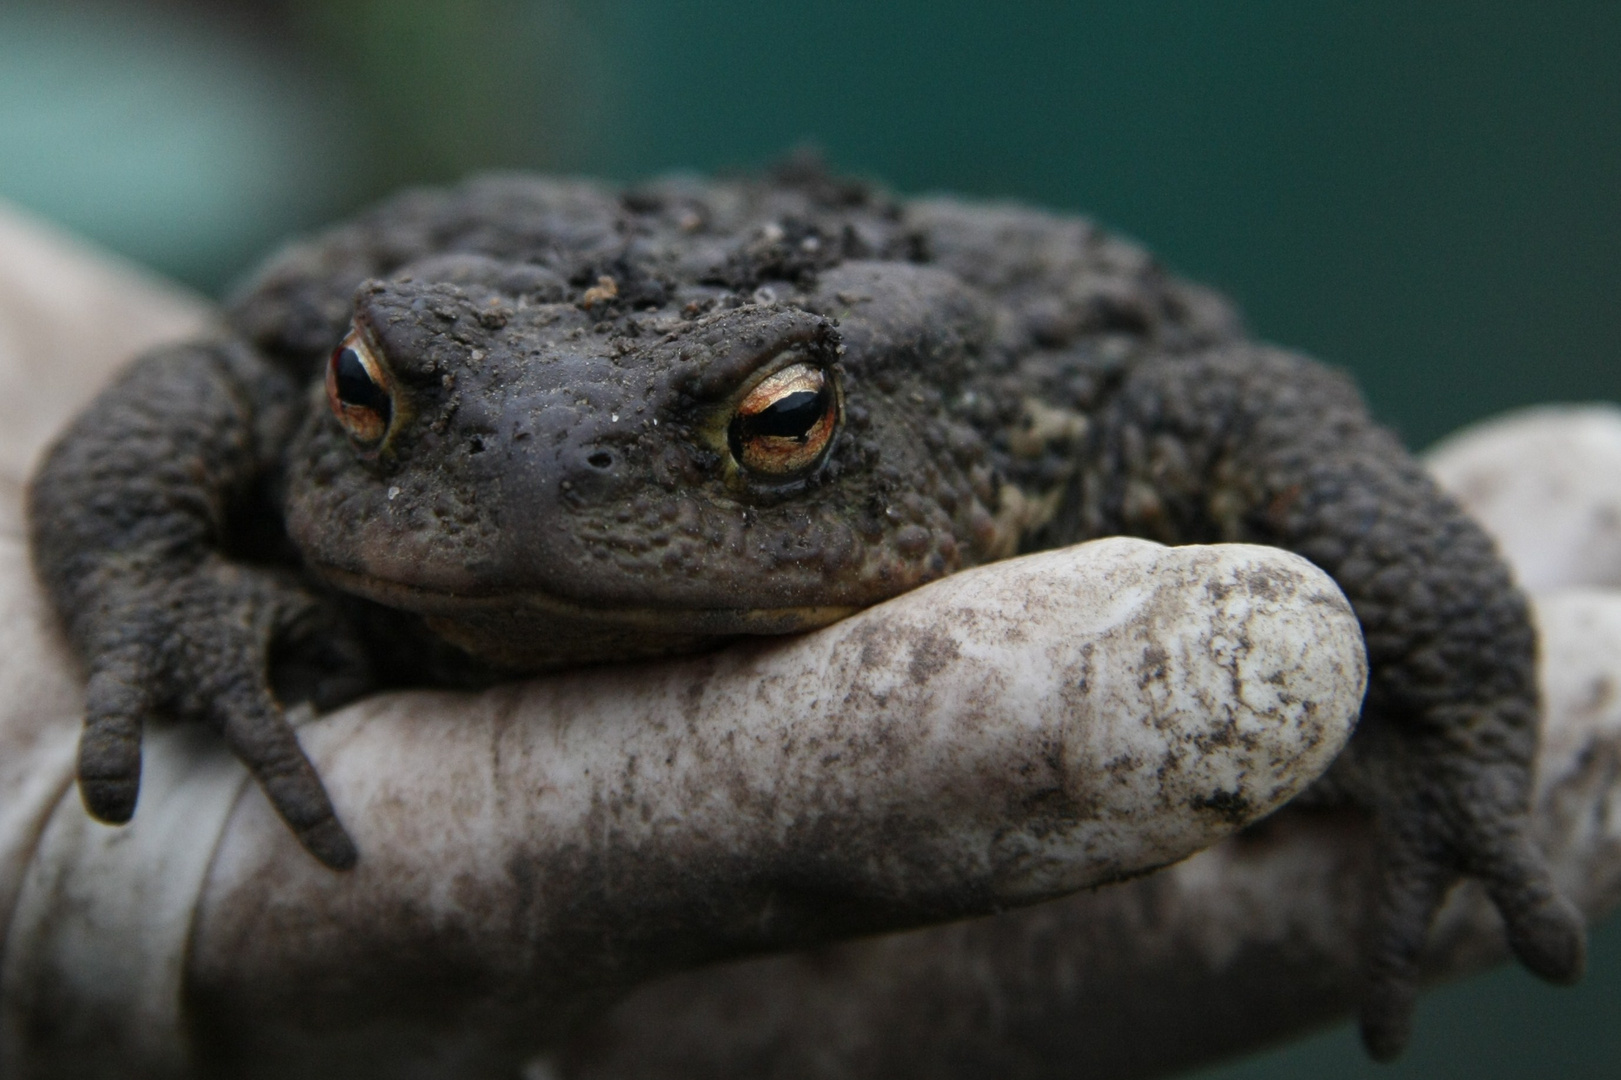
(203, 648)
(1443, 812)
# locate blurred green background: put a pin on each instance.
(1426, 194)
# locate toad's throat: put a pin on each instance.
(531, 630)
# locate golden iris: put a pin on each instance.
(785, 424)
(359, 390)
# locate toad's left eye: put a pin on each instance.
(785, 425)
(359, 390)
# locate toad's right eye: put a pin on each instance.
(360, 392)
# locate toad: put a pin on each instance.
(524, 424)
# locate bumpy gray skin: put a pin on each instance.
(558, 487)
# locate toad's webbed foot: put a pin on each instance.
(1247, 443)
(203, 648)
(1443, 811)
(132, 512)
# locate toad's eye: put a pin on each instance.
(359, 390)
(783, 428)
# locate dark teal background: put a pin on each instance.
(1425, 193)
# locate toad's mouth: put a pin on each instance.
(533, 630)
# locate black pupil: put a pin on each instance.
(355, 386)
(789, 417)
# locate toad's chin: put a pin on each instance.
(528, 631)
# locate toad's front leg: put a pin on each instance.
(132, 513)
(1251, 444)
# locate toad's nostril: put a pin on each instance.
(593, 472)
